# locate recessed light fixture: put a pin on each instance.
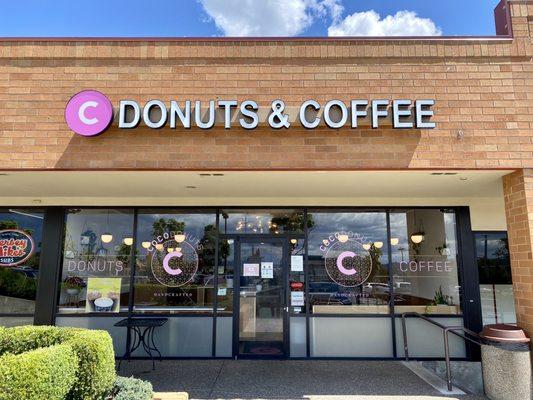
(190, 187)
(204, 174)
(463, 178)
(437, 173)
(218, 174)
(450, 173)
(2, 174)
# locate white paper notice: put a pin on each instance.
(267, 270)
(222, 291)
(297, 299)
(297, 263)
(250, 269)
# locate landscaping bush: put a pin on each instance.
(46, 373)
(132, 389)
(93, 350)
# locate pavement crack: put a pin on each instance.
(210, 396)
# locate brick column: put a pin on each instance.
(518, 193)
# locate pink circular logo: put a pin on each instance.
(88, 113)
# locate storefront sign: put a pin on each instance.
(15, 247)
(174, 258)
(346, 261)
(90, 113)
(425, 266)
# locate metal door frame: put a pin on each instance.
(237, 286)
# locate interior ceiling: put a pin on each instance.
(250, 184)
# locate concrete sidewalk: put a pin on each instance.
(294, 379)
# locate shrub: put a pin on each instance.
(93, 350)
(132, 389)
(47, 373)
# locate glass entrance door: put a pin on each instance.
(261, 299)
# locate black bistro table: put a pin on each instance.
(141, 333)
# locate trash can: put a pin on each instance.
(506, 363)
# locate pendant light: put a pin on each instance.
(366, 246)
(127, 241)
(146, 245)
(378, 245)
(180, 237)
(419, 236)
(107, 237)
(394, 241)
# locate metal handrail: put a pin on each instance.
(446, 329)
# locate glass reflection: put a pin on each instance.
(96, 269)
(424, 261)
(175, 261)
(348, 263)
(272, 221)
(18, 283)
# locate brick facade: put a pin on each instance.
(483, 88)
(518, 188)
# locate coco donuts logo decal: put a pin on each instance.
(173, 258)
(347, 261)
(89, 113)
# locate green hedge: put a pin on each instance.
(132, 389)
(47, 373)
(92, 349)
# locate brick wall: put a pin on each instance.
(518, 190)
(483, 88)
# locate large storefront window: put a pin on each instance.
(175, 261)
(424, 261)
(348, 263)
(20, 249)
(96, 268)
(495, 281)
(265, 222)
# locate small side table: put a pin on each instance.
(141, 330)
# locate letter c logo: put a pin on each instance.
(167, 267)
(81, 113)
(88, 113)
(340, 259)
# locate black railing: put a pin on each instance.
(475, 338)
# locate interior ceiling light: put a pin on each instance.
(180, 237)
(127, 241)
(394, 241)
(190, 187)
(204, 174)
(366, 246)
(146, 245)
(378, 245)
(218, 174)
(106, 237)
(417, 238)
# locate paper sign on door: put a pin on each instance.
(297, 299)
(250, 270)
(267, 270)
(297, 263)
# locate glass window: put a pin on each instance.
(226, 267)
(20, 248)
(175, 260)
(495, 281)
(424, 261)
(348, 263)
(271, 221)
(96, 269)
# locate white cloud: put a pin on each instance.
(369, 23)
(268, 17)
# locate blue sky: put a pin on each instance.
(195, 18)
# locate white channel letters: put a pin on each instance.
(334, 114)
